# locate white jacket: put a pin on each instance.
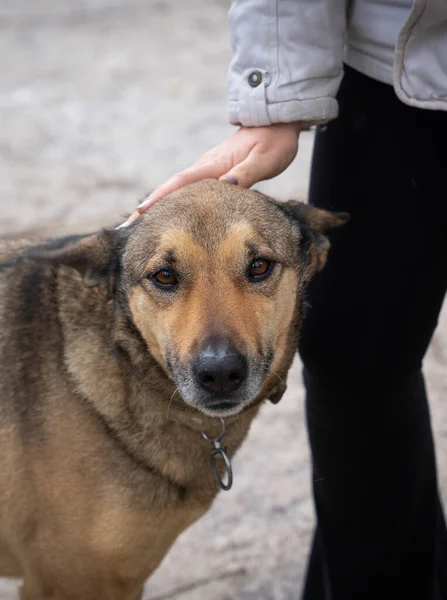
(288, 59)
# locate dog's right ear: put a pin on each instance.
(94, 256)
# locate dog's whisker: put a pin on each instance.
(280, 378)
(161, 372)
(170, 401)
(152, 369)
(274, 373)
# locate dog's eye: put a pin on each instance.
(260, 269)
(165, 278)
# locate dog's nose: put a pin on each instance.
(220, 369)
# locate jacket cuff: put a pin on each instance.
(251, 108)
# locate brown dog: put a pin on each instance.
(117, 351)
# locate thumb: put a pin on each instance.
(244, 174)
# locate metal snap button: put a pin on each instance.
(255, 78)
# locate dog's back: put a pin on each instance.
(26, 318)
(28, 333)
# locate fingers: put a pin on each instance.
(191, 175)
(199, 171)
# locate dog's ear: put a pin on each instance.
(319, 220)
(95, 256)
(314, 223)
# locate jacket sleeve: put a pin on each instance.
(287, 60)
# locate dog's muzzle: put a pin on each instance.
(220, 380)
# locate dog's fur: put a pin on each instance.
(102, 460)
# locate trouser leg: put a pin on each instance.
(372, 313)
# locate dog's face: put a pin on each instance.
(213, 278)
(215, 296)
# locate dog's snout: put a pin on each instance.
(220, 369)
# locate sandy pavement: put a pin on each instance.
(101, 100)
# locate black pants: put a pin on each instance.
(381, 531)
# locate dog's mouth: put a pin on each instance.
(218, 406)
(224, 408)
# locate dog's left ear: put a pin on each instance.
(315, 223)
(94, 256)
(319, 220)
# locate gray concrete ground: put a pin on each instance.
(100, 101)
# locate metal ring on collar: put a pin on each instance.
(215, 454)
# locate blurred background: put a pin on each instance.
(100, 101)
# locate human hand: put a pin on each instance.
(250, 155)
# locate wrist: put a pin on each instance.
(294, 126)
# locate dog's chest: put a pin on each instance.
(133, 539)
(112, 507)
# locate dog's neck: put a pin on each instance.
(204, 423)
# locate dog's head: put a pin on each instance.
(213, 279)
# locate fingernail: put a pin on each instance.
(125, 224)
(231, 180)
(133, 217)
(145, 202)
